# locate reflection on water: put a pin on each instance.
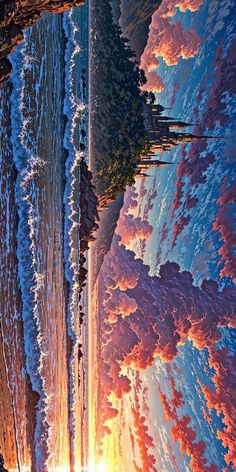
(42, 378)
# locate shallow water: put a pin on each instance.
(40, 197)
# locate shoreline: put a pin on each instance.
(18, 16)
(11, 303)
(89, 216)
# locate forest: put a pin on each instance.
(118, 136)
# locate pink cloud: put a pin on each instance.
(144, 440)
(222, 398)
(131, 228)
(130, 200)
(120, 304)
(169, 41)
(169, 309)
(194, 164)
(224, 224)
(182, 431)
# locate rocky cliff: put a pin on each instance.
(104, 234)
(134, 17)
(17, 15)
(89, 218)
(2, 468)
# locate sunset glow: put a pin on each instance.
(117, 235)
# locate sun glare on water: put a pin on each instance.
(99, 467)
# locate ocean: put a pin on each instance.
(43, 110)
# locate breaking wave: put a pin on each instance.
(75, 110)
(31, 280)
(25, 108)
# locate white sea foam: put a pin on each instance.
(29, 166)
(32, 279)
(75, 109)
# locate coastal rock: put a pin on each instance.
(15, 16)
(2, 468)
(89, 218)
(5, 69)
(7, 13)
(104, 234)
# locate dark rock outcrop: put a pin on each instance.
(134, 17)
(108, 221)
(17, 15)
(2, 468)
(89, 218)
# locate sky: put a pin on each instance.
(165, 368)
(159, 351)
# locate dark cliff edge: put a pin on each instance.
(89, 218)
(17, 15)
(2, 468)
(134, 18)
(104, 234)
(117, 128)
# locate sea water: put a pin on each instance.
(48, 110)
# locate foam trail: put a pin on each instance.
(29, 166)
(74, 109)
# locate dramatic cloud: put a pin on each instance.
(169, 7)
(120, 304)
(169, 309)
(144, 440)
(222, 398)
(168, 40)
(179, 226)
(183, 433)
(224, 224)
(196, 162)
(129, 227)
(130, 200)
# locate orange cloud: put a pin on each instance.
(120, 304)
(182, 432)
(131, 228)
(169, 7)
(223, 398)
(168, 40)
(169, 309)
(224, 224)
(145, 442)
